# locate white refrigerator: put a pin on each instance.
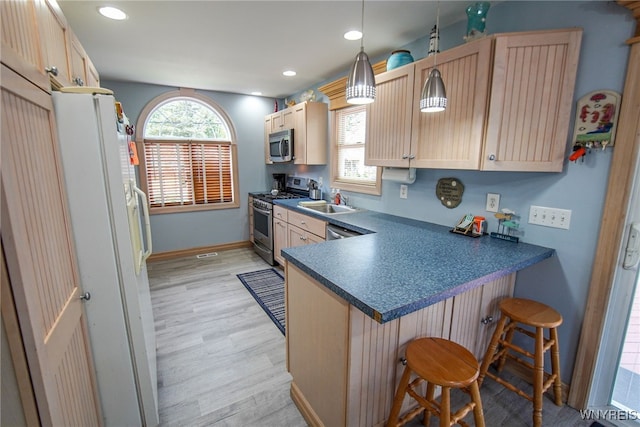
(108, 215)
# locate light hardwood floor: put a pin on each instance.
(221, 360)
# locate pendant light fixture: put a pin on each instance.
(434, 95)
(361, 84)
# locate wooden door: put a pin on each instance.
(298, 122)
(388, 138)
(452, 139)
(534, 77)
(40, 257)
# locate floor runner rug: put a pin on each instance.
(267, 287)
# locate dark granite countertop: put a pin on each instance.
(401, 265)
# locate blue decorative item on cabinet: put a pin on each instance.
(399, 58)
(477, 18)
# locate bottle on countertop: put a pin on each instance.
(337, 198)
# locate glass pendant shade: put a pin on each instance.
(434, 96)
(361, 84)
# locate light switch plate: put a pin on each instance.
(550, 217)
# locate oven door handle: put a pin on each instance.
(262, 211)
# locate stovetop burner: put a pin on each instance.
(269, 197)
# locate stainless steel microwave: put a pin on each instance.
(281, 146)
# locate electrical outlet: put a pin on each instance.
(493, 202)
(403, 191)
(550, 217)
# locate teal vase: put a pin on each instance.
(398, 58)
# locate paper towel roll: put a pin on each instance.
(402, 175)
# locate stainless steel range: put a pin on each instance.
(296, 188)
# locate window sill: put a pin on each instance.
(193, 208)
(355, 187)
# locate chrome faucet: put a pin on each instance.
(344, 200)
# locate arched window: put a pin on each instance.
(189, 154)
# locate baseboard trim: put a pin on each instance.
(304, 407)
(161, 256)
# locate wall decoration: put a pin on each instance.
(595, 124)
(449, 192)
(507, 226)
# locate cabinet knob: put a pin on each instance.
(405, 156)
(78, 81)
(302, 222)
(52, 70)
(403, 361)
(492, 157)
(412, 156)
(486, 320)
(85, 297)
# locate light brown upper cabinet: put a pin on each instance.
(21, 47)
(509, 106)
(83, 73)
(56, 46)
(534, 76)
(309, 122)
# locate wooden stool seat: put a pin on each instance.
(438, 362)
(516, 311)
(530, 312)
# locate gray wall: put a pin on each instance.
(561, 281)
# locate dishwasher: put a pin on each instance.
(335, 232)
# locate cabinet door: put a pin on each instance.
(532, 96)
(299, 121)
(475, 313)
(21, 49)
(55, 41)
(93, 78)
(77, 61)
(297, 236)
(268, 122)
(452, 139)
(389, 119)
(280, 239)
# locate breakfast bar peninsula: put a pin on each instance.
(352, 305)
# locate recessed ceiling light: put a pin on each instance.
(353, 35)
(112, 13)
(256, 93)
(289, 73)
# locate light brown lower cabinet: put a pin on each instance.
(346, 366)
(291, 229)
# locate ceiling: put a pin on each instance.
(244, 46)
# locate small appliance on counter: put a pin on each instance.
(315, 192)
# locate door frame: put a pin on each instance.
(621, 179)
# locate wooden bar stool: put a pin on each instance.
(442, 363)
(539, 316)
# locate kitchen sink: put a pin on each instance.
(329, 208)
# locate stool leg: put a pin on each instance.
(538, 377)
(399, 398)
(429, 396)
(508, 338)
(478, 414)
(445, 407)
(555, 366)
(491, 350)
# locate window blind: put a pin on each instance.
(183, 173)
